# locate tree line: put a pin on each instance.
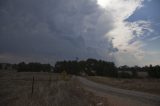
(91, 67)
(33, 67)
(152, 71)
(24, 67)
(88, 67)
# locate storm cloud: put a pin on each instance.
(51, 30)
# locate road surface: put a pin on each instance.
(120, 97)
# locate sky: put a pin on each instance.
(125, 32)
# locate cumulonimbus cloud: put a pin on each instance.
(50, 30)
(127, 36)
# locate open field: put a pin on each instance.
(144, 85)
(48, 90)
(120, 97)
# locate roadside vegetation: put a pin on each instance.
(48, 89)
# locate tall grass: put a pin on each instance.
(49, 90)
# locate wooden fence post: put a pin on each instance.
(50, 79)
(32, 86)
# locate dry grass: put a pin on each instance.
(144, 85)
(49, 90)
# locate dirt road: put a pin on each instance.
(121, 97)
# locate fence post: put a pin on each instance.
(49, 80)
(32, 86)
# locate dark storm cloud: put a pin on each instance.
(54, 29)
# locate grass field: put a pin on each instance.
(144, 85)
(49, 90)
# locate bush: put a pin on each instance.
(124, 75)
(154, 72)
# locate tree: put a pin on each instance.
(90, 67)
(33, 67)
(154, 71)
(0, 66)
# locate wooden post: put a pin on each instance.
(32, 86)
(49, 80)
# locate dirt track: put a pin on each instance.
(121, 97)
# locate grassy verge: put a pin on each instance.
(49, 90)
(144, 85)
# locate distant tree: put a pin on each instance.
(106, 69)
(124, 74)
(134, 74)
(154, 71)
(33, 67)
(0, 66)
(134, 70)
(90, 67)
(124, 68)
(46, 67)
(71, 67)
(21, 67)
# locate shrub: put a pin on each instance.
(124, 75)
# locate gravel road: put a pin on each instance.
(121, 97)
